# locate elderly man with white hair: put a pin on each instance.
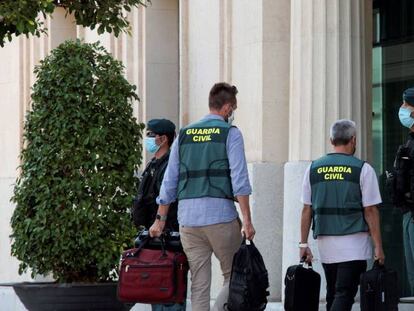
(340, 197)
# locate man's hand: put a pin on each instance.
(379, 255)
(305, 252)
(248, 230)
(157, 228)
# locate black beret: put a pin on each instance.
(161, 126)
(408, 96)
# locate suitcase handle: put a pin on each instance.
(377, 265)
(246, 241)
(144, 242)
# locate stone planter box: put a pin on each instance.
(70, 296)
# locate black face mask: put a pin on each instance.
(353, 152)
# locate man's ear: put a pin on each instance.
(353, 139)
(164, 139)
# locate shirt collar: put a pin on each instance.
(213, 116)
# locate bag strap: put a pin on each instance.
(144, 242)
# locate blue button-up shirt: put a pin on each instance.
(207, 210)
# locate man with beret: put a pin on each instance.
(159, 138)
(404, 199)
(206, 171)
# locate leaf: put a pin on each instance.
(22, 16)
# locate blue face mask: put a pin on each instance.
(405, 117)
(150, 145)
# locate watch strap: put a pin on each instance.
(161, 217)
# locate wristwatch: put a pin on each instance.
(161, 217)
(303, 245)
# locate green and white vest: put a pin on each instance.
(336, 195)
(204, 165)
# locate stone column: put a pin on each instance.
(245, 43)
(330, 73)
(330, 79)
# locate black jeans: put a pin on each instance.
(342, 283)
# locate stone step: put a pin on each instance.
(10, 302)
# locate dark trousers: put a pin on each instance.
(342, 283)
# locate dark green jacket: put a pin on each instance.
(145, 206)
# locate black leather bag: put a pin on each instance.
(302, 288)
(249, 280)
(379, 289)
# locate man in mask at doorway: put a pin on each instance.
(159, 138)
(206, 171)
(403, 185)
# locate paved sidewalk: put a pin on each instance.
(10, 302)
(278, 306)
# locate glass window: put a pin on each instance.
(393, 72)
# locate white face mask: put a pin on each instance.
(230, 118)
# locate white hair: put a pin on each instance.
(342, 131)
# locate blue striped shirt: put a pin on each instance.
(207, 210)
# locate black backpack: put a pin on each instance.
(400, 181)
(248, 281)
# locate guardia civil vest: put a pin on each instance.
(204, 166)
(336, 195)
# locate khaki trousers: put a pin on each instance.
(199, 243)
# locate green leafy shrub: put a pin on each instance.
(82, 145)
(22, 16)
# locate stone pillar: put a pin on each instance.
(330, 73)
(330, 79)
(61, 27)
(245, 43)
(10, 144)
(162, 68)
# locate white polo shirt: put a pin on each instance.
(357, 246)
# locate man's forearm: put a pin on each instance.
(158, 226)
(305, 223)
(163, 209)
(244, 207)
(372, 218)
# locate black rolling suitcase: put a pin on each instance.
(379, 289)
(302, 288)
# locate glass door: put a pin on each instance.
(393, 72)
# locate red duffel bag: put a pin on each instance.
(153, 276)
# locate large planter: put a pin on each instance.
(70, 296)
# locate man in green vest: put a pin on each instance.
(340, 196)
(206, 172)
